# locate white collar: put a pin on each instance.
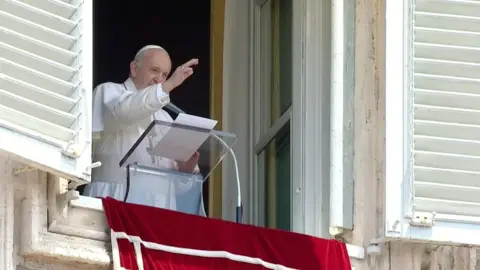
(129, 85)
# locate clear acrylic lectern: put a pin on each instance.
(154, 163)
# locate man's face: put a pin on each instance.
(153, 68)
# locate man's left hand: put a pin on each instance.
(189, 165)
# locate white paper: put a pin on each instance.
(180, 144)
(195, 121)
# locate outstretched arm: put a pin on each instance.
(128, 107)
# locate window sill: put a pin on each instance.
(356, 252)
(87, 203)
(83, 217)
(448, 230)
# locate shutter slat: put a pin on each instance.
(38, 16)
(447, 192)
(47, 66)
(16, 118)
(36, 31)
(447, 145)
(446, 37)
(447, 176)
(447, 99)
(37, 109)
(447, 68)
(447, 21)
(33, 92)
(39, 85)
(446, 106)
(461, 53)
(450, 207)
(40, 48)
(447, 161)
(445, 129)
(446, 83)
(460, 7)
(57, 7)
(34, 77)
(446, 114)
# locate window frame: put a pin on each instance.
(264, 129)
(395, 119)
(309, 182)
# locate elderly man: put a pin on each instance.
(121, 113)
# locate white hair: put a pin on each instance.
(142, 51)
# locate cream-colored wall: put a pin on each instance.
(370, 152)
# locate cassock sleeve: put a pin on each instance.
(128, 107)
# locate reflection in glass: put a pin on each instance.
(281, 87)
(274, 167)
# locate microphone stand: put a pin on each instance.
(238, 208)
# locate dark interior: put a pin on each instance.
(121, 29)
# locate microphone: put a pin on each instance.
(238, 208)
(174, 108)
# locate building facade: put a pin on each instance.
(344, 112)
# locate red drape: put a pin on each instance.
(171, 240)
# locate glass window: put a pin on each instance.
(281, 91)
(272, 113)
(275, 158)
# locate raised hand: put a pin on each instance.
(189, 165)
(180, 75)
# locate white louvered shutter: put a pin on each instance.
(433, 177)
(446, 113)
(46, 84)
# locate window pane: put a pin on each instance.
(281, 90)
(274, 163)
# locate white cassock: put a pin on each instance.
(121, 113)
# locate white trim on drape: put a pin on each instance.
(137, 241)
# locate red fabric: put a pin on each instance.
(176, 229)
